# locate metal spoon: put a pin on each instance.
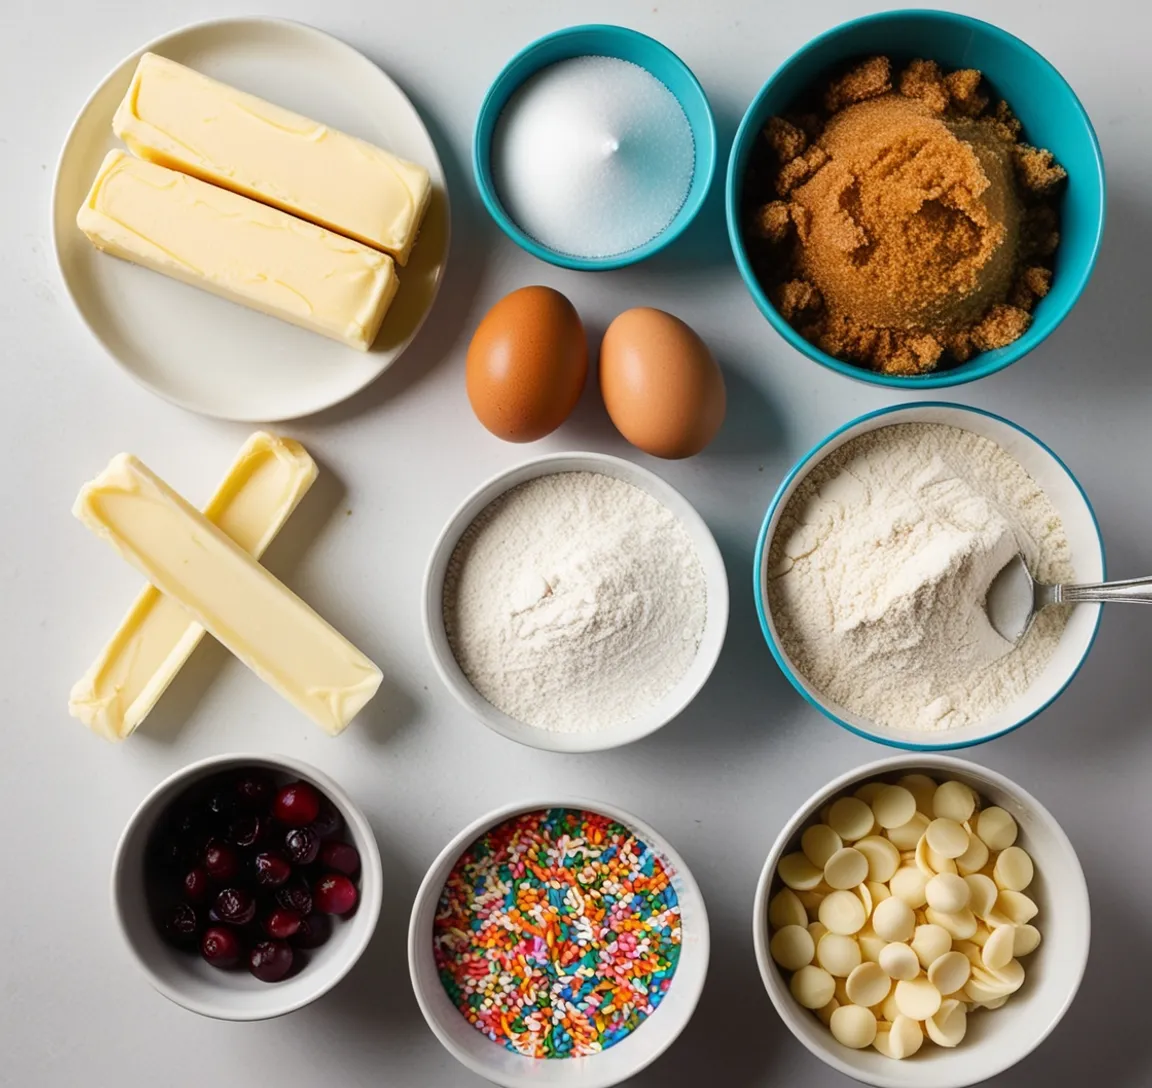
(1015, 597)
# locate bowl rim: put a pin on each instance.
(885, 766)
(370, 865)
(494, 101)
(707, 550)
(806, 463)
(432, 882)
(965, 372)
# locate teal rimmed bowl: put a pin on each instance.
(1084, 536)
(1053, 118)
(598, 40)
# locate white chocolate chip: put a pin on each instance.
(838, 955)
(798, 872)
(947, 892)
(846, 868)
(997, 828)
(854, 1026)
(899, 961)
(785, 909)
(948, 1026)
(954, 801)
(961, 925)
(878, 891)
(999, 948)
(826, 1012)
(816, 930)
(850, 818)
(1016, 907)
(867, 792)
(906, 836)
(792, 947)
(894, 806)
(811, 900)
(888, 1008)
(909, 883)
(917, 999)
(930, 942)
(947, 837)
(864, 894)
(883, 857)
(843, 913)
(1013, 871)
(812, 987)
(1027, 940)
(922, 788)
(950, 972)
(893, 920)
(901, 1040)
(869, 984)
(974, 858)
(819, 843)
(983, 895)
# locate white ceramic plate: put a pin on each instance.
(204, 353)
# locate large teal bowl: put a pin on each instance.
(1053, 118)
(598, 41)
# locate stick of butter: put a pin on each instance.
(176, 117)
(264, 485)
(236, 248)
(228, 593)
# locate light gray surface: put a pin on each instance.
(718, 782)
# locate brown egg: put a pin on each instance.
(527, 363)
(660, 384)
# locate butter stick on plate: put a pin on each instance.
(228, 593)
(177, 117)
(264, 485)
(239, 249)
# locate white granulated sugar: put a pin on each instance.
(593, 156)
(574, 602)
(879, 569)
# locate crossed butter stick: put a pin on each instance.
(204, 574)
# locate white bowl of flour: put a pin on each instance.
(575, 603)
(873, 562)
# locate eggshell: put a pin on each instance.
(660, 383)
(527, 364)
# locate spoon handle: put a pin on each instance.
(1134, 591)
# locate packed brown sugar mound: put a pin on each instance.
(902, 225)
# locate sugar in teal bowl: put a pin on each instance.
(1052, 116)
(598, 41)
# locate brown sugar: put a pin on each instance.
(904, 229)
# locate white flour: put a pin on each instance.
(879, 568)
(574, 602)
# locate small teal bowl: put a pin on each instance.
(1052, 116)
(1084, 537)
(598, 41)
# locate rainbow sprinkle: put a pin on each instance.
(557, 933)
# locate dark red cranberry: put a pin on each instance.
(244, 830)
(271, 869)
(341, 856)
(297, 804)
(329, 821)
(282, 923)
(235, 906)
(223, 801)
(254, 790)
(181, 924)
(334, 894)
(196, 885)
(313, 932)
(221, 861)
(295, 895)
(302, 845)
(220, 946)
(270, 961)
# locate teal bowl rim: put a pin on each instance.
(495, 100)
(801, 467)
(965, 372)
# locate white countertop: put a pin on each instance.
(396, 460)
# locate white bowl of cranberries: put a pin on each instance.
(246, 886)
